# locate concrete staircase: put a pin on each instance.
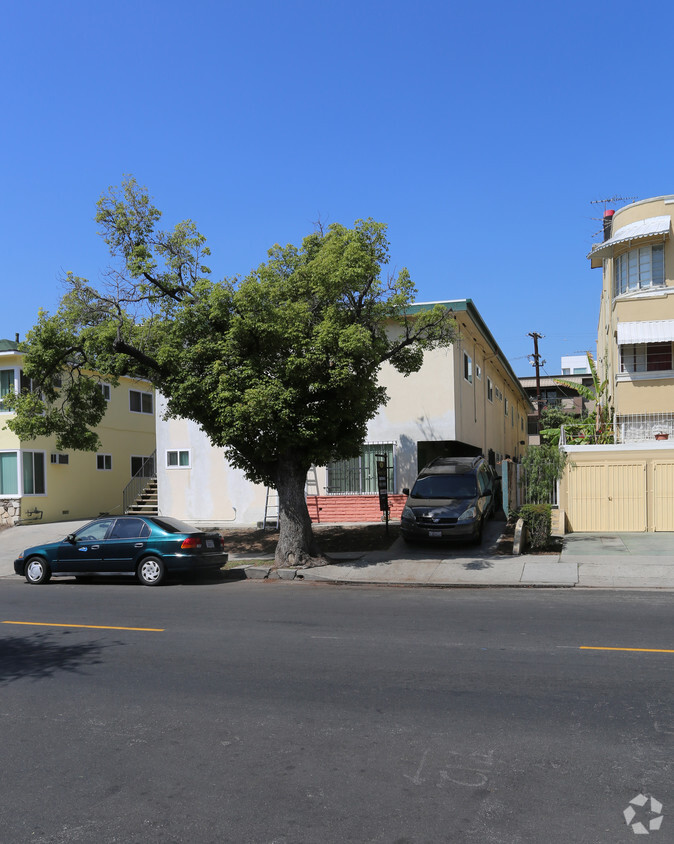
(146, 504)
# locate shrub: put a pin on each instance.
(538, 519)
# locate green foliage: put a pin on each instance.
(543, 467)
(279, 368)
(597, 427)
(538, 520)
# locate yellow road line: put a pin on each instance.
(88, 626)
(640, 650)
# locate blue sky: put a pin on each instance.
(479, 132)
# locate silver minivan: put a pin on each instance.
(450, 499)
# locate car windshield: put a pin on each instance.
(445, 486)
(171, 525)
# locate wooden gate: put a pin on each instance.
(608, 497)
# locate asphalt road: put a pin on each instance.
(278, 713)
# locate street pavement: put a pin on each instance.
(592, 560)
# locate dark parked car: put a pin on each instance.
(450, 499)
(147, 547)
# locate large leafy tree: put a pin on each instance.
(278, 368)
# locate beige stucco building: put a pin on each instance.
(38, 482)
(629, 485)
(636, 317)
(464, 400)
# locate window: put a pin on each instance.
(478, 371)
(646, 357)
(142, 467)
(62, 459)
(104, 462)
(33, 473)
(639, 268)
(566, 372)
(467, 368)
(140, 402)
(105, 389)
(359, 474)
(177, 459)
(130, 529)
(6, 384)
(490, 390)
(9, 475)
(505, 408)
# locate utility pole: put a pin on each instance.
(537, 363)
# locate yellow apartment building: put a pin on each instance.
(38, 482)
(636, 318)
(629, 485)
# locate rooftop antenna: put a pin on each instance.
(613, 199)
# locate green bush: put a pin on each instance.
(538, 520)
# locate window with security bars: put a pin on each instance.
(358, 475)
(646, 357)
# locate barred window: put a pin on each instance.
(358, 475)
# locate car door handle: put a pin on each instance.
(138, 544)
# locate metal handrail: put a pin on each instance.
(146, 473)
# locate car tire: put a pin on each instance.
(37, 571)
(151, 571)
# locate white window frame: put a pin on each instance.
(106, 458)
(178, 464)
(467, 368)
(478, 371)
(19, 474)
(633, 270)
(106, 389)
(490, 390)
(140, 393)
(22, 488)
(15, 382)
(59, 458)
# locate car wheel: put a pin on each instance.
(37, 570)
(151, 571)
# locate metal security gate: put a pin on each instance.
(663, 490)
(607, 497)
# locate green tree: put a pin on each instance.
(279, 368)
(543, 467)
(597, 427)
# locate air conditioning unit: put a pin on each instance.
(62, 459)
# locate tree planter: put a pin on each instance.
(662, 436)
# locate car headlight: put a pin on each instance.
(468, 515)
(407, 514)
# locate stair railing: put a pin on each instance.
(146, 474)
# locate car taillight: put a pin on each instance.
(191, 542)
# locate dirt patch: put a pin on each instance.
(331, 538)
(504, 544)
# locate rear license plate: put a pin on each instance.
(210, 543)
(435, 533)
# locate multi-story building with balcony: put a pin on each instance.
(636, 318)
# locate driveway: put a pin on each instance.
(14, 540)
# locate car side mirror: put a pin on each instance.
(70, 538)
(406, 491)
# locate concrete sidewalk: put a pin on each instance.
(607, 561)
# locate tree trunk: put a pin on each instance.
(296, 545)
